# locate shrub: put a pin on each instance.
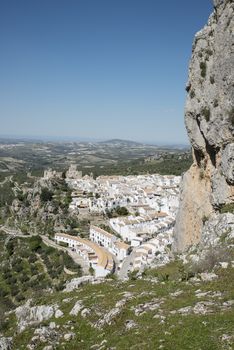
(192, 94)
(206, 113)
(164, 277)
(3, 292)
(46, 195)
(227, 208)
(32, 258)
(60, 286)
(12, 280)
(91, 271)
(19, 297)
(201, 174)
(33, 282)
(18, 268)
(122, 211)
(7, 274)
(23, 278)
(133, 275)
(231, 116)
(16, 261)
(25, 253)
(216, 103)
(212, 80)
(203, 69)
(4, 324)
(59, 270)
(209, 52)
(53, 273)
(35, 243)
(10, 247)
(186, 273)
(204, 219)
(14, 290)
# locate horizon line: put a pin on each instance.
(59, 138)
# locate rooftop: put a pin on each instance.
(121, 245)
(104, 258)
(101, 231)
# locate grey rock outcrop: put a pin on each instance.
(77, 308)
(5, 343)
(227, 164)
(27, 315)
(219, 227)
(77, 282)
(209, 119)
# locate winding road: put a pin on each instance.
(75, 257)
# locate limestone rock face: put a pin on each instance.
(209, 119)
(227, 164)
(218, 227)
(27, 315)
(5, 343)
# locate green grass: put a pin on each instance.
(177, 332)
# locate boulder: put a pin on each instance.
(27, 316)
(6, 343)
(76, 308)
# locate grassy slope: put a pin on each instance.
(178, 332)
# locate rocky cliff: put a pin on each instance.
(209, 119)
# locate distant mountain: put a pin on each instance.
(119, 142)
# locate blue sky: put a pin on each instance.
(97, 68)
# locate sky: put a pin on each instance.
(97, 69)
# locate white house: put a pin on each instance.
(133, 227)
(101, 237)
(154, 249)
(120, 250)
(101, 261)
(109, 241)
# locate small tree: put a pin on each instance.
(122, 211)
(91, 271)
(46, 195)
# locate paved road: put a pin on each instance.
(75, 257)
(126, 266)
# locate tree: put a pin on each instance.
(46, 195)
(122, 211)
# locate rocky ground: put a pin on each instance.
(178, 306)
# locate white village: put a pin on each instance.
(140, 235)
